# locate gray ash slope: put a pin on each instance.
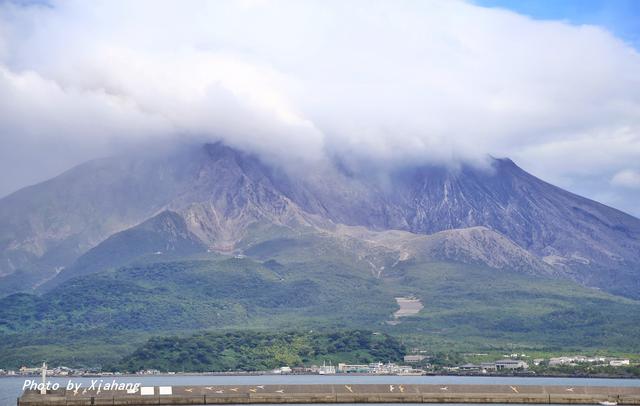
(218, 197)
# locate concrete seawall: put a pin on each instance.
(347, 393)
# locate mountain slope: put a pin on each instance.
(219, 192)
(231, 192)
(164, 234)
(45, 227)
(463, 305)
(475, 245)
(587, 241)
(227, 197)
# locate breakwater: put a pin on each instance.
(336, 393)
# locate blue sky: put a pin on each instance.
(621, 17)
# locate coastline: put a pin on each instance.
(332, 392)
(12, 388)
(249, 374)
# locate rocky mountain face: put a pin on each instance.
(219, 199)
(589, 242)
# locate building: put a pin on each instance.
(414, 359)
(618, 362)
(379, 368)
(148, 372)
(29, 371)
(327, 369)
(470, 367)
(511, 364)
(561, 361)
(353, 368)
(391, 369)
(573, 360)
(488, 366)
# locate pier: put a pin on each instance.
(336, 393)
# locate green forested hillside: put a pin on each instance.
(309, 283)
(260, 351)
(165, 234)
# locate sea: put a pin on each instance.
(11, 387)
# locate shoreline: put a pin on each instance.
(239, 374)
(342, 392)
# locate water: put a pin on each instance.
(11, 387)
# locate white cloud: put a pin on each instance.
(627, 178)
(391, 81)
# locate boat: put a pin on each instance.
(607, 403)
(327, 369)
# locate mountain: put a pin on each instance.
(98, 260)
(224, 200)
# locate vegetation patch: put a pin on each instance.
(260, 351)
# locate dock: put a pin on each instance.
(336, 393)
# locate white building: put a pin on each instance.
(470, 367)
(572, 360)
(327, 369)
(618, 362)
(357, 368)
(411, 359)
(29, 371)
(511, 364)
(561, 361)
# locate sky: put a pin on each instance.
(620, 17)
(554, 85)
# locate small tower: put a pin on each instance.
(43, 390)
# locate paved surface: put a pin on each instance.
(362, 393)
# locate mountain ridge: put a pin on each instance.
(223, 194)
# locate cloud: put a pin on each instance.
(627, 178)
(391, 82)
